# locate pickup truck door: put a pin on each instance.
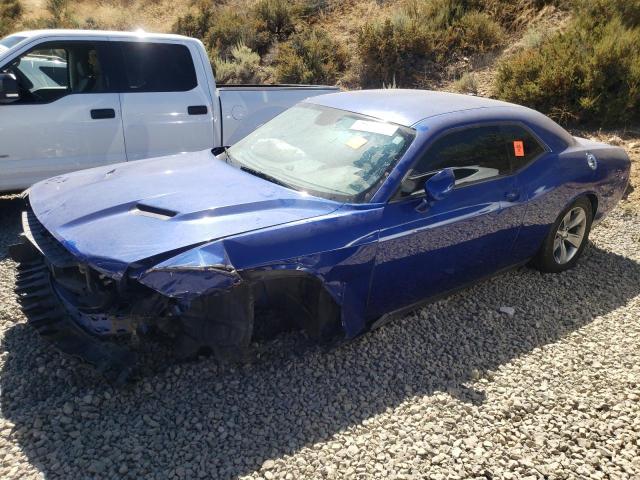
(166, 102)
(68, 115)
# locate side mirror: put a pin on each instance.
(437, 188)
(440, 185)
(9, 91)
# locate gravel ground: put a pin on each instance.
(455, 390)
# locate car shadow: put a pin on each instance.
(228, 420)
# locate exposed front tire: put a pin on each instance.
(566, 239)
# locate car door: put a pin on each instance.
(165, 108)
(67, 117)
(458, 239)
(530, 161)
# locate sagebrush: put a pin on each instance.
(10, 13)
(589, 72)
(423, 35)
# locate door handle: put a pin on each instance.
(101, 113)
(512, 196)
(197, 110)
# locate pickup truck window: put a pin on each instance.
(327, 152)
(157, 67)
(53, 70)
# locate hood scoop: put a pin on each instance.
(154, 212)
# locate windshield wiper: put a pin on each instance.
(265, 176)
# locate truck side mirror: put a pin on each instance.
(9, 91)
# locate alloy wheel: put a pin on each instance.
(569, 235)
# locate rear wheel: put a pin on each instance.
(567, 238)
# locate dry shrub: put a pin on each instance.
(243, 66)
(467, 83)
(309, 57)
(222, 27)
(423, 33)
(275, 17)
(195, 24)
(10, 13)
(479, 33)
(590, 72)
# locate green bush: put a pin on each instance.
(423, 34)
(479, 32)
(60, 14)
(242, 67)
(228, 29)
(195, 25)
(602, 11)
(223, 27)
(515, 15)
(467, 83)
(590, 72)
(10, 13)
(312, 8)
(438, 14)
(309, 57)
(275, 17)
(390, 50)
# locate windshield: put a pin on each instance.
(10, 41)
(327, 152)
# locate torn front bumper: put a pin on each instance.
(79, 309)
(48, 313)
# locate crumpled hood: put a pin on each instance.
(110, 217)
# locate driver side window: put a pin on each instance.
(474, 154)
(53, 70)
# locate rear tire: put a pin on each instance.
(567, 238)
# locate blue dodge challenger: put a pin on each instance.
(332, 217)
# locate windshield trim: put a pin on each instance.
(363, 197)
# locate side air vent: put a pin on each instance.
(154, 212)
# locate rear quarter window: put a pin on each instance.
(522, 146)
(157, 67)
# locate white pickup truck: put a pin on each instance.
(73, 99)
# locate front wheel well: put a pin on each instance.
(294, 301)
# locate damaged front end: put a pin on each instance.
(60, 298)
(196, 298)
(77, 307)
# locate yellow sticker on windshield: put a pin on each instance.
(356, 142)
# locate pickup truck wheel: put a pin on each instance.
(566, 239)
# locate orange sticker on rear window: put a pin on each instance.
(518, 148)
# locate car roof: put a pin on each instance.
(405, 106)
(32, 34)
